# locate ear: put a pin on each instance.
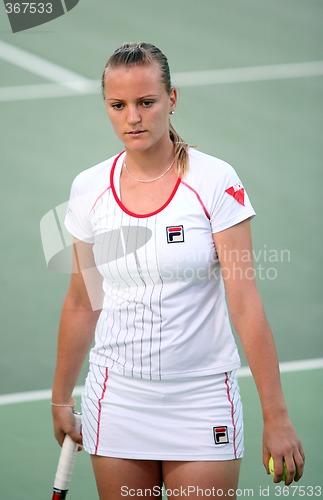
(172, 100)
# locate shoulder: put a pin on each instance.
(220, 189)
(208, 170)
(94, 178)
(87, 186)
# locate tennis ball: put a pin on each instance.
(272, 468)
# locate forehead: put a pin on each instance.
(123, 81)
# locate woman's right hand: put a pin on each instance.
(76, 333)
(64, 423)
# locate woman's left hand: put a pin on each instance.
(282, 443)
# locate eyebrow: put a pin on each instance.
(150, 96)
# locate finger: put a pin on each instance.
(59, 433)
(300, 463)
(279, 473)
(76, 432)
(71, 431)
(60, 436)
(291, 471)
(295, 466)
(76, 437)
(280, 467)
(265, 460)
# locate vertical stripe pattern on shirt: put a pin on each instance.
(129, 329)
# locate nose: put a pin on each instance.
(133, 115)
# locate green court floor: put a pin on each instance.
(250, 79)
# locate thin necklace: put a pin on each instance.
(147, 180)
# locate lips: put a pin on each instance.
(135, 133)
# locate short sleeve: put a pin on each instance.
(77, 220)
(231, 203)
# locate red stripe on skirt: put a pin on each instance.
(100, 409)
(232, 414)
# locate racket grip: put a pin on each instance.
(66, 462)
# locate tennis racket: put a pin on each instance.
(66, 463)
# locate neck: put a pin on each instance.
(150, 163)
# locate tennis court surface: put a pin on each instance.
(250, 79)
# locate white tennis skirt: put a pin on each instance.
(193, 419)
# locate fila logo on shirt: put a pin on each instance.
(221, 435)
(175, 234)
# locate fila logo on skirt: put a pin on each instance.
(221, 435)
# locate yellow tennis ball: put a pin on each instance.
(272, 468)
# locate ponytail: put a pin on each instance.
(181, 151)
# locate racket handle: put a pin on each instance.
(66, 463)
(59, 495)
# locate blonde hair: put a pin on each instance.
(141, 53)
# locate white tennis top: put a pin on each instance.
(164, 314)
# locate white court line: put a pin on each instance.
(82, 86)
(32, 396)
(47, 90)
(286, 367)
(249, 74)
(42, 67)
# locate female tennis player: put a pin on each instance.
(163, 231)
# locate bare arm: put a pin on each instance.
(248, 317)
(76, 331)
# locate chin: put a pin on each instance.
(137, 146)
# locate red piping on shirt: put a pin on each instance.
(106, 189)
(111, 181)
(100, 409)
(121, 205)
(156, 211)
(199, 199)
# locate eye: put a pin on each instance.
(147, 104)
(117, 106)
